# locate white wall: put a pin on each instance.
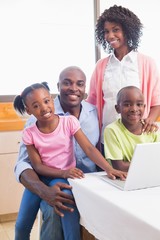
(38, 38)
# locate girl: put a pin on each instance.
(50, 146)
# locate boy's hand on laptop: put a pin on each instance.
(113, 174)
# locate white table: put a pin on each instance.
(112, 214)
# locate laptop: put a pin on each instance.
(144, 170)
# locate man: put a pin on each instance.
(71, 85)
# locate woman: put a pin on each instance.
(118, 30)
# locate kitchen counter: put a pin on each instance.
(9, 119)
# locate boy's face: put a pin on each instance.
(131, 106)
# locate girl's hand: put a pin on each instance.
(149, 126)
(73, 173)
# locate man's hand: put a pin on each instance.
(57, 199)
(52, 195)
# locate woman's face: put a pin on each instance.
(114, 35)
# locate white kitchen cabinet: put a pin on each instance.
(10, 189)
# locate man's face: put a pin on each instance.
(71, 87)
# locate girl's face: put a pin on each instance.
(114, 35)
(131, 107)
(40, 103)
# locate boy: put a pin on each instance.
(121, 136)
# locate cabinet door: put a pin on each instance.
(10, 190)
(9, 141)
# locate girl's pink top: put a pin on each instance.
(55, 148)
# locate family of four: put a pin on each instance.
(61, 136)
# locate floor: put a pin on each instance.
(7, 231)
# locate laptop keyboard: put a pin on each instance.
(116, 182)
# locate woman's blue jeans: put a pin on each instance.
(51, 227)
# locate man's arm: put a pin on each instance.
(23, 161)
(52, 195)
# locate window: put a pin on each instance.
(41, 37)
